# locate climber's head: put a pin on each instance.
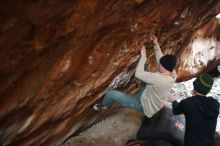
(167, 63)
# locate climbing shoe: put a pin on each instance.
(99, 107)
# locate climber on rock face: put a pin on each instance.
(150, 98)
(201, 113)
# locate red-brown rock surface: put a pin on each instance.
(203, 52)
(58, 57)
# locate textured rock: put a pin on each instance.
(124, 123)
(58, 57)
(203, 53)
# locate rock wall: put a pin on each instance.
(58, 57)
(203, 52)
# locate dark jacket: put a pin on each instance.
(201, 115)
